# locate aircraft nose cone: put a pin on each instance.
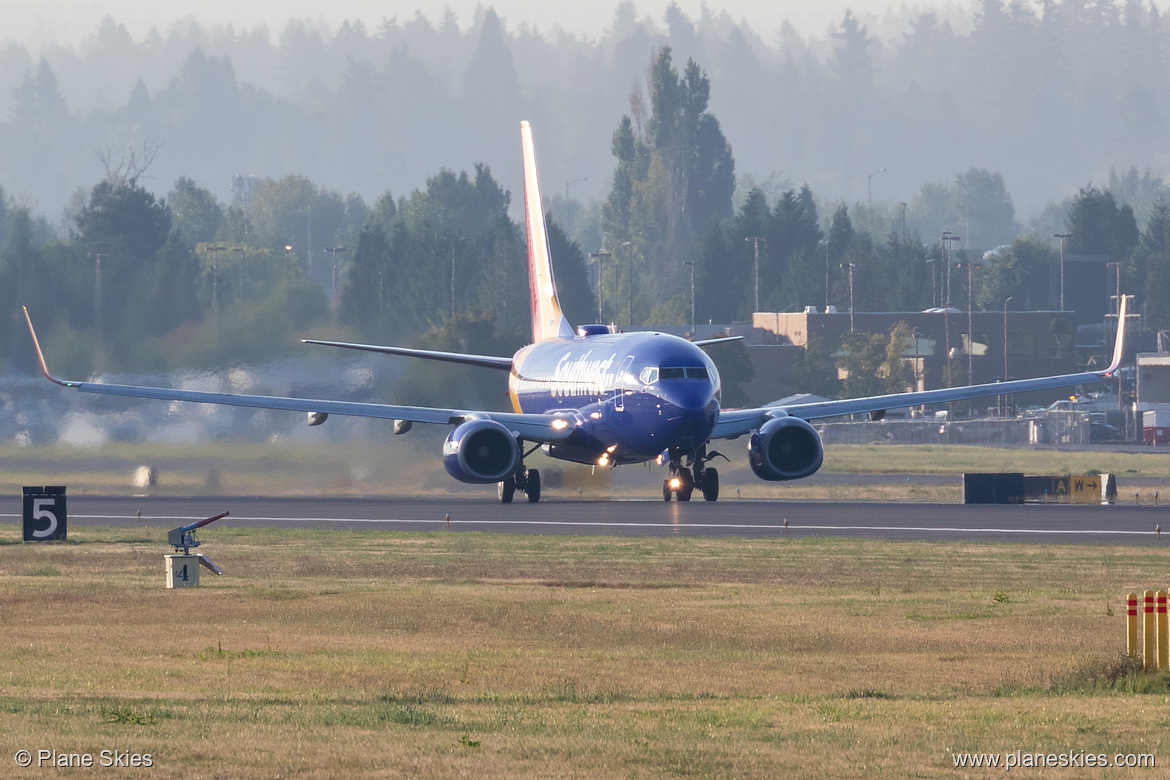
(693, 414)
(692, 395)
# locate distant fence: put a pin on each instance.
(1056, 428)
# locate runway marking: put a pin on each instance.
(631, 524)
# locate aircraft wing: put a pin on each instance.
(737, 422)
(540, 428)
(485, 361)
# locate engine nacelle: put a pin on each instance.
(481, 451)
(785, 448)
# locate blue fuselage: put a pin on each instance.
(632, 396)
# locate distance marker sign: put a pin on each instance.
(44, 513)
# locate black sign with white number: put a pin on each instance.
(44, 513)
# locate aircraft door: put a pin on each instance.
(619, 387)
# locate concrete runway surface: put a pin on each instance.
(1030, 524)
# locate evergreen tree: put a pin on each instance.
(1099, 227)
(669, 186)
(1151, 263)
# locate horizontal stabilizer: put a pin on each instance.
(485, 361)
(720, 340)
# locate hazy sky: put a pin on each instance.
(37, 21)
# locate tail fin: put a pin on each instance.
(547, 320)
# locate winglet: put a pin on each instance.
(41, 355)
(1119, 343)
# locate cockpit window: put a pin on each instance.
(682, 373)
(649, 376)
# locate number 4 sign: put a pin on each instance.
(44, 513)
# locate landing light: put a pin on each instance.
(603, 460)
(675, 483)
(559, 425)
(611, 448)
(595, 415)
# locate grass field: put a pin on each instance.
(343, 654)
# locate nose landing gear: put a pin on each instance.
(683, 480)
(680, 483)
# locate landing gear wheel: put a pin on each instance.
(686, 484)
(666, 491)
(710, 485)
(532, 486)
(506, 489)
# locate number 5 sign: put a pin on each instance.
(44, 513)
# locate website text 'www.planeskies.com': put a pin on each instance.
(1068, 759)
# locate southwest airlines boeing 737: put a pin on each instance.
(602, 398)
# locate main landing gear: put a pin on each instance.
(525, 480)
(683, 480)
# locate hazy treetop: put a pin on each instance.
(874, 100)
(35, 22)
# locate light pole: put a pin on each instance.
(334, 251)
(948, 239)
(97, 290)
(903, 205)
(1062, 237)
(599, 257)
(869, 195)
(1120, 324)
(850, 266)
(240, 250)
(630, 291)
(1003, 400)
(694, 330)
(1117, 292)
(826, 243)
(288, 256)
(970, 318)
(756, 241)
(933, 262)
(454, 242)
(215, 250)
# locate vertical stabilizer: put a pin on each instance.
(547, 320)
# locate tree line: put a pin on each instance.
(1054, 94)
(187, 279)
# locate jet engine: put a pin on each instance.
(785, 448)
(481, 451)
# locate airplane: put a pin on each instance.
(601, 398)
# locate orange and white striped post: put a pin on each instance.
(1163, 657)
(1148, 659)
(1131, 645)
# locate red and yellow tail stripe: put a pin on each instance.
(548, 322)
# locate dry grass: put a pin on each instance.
(335, 654)
(957, 459)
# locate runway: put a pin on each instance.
(1030, 524)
